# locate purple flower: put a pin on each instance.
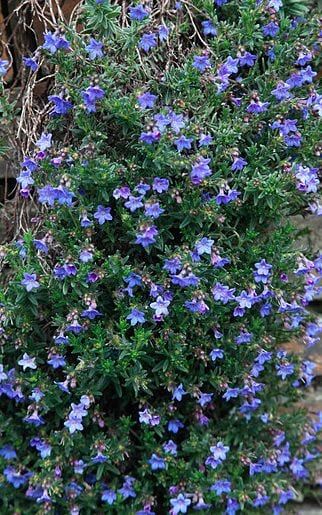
(172, 265)
(147, 100)
(137, 12)
(257, 107)
(303, 58)
(103, 214)
(200, 171)
(156, 462)
(148, 41)
(201, 63)
(208, 28)
(160, 185)
(179, 504)
(146, 236)
(30, 282)
(136, 317)
(27, 362)
(94, 49)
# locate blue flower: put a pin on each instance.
(148, 41)
(178, 393)
(208, 28)
(54, 42)
(136, 317)
(163, 32)
(216, 354)
(271, 29)
(201, 63)
(204, 246)
(3, 67)
(109, 496)
(156, 462)
(262, 272)
(8, 452)
(103, 214)
(27, 362)
(174, 425)
(137, 12)
(146, 236)
(91, 96)
(31, 63)
(134, 203)
(44, 141)
(30, 282)
(61, 106)
(200, 171)
(222, 486)
(146, 100)
(94, 49)
(160, 185)
(170, 448)
(180, 504)
(247, 59)
(160, 306)
(153, 209)
(183, 143)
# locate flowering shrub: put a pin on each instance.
(143, 368)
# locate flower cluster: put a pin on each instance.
(143, 367)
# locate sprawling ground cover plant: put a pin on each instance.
(143, 368)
